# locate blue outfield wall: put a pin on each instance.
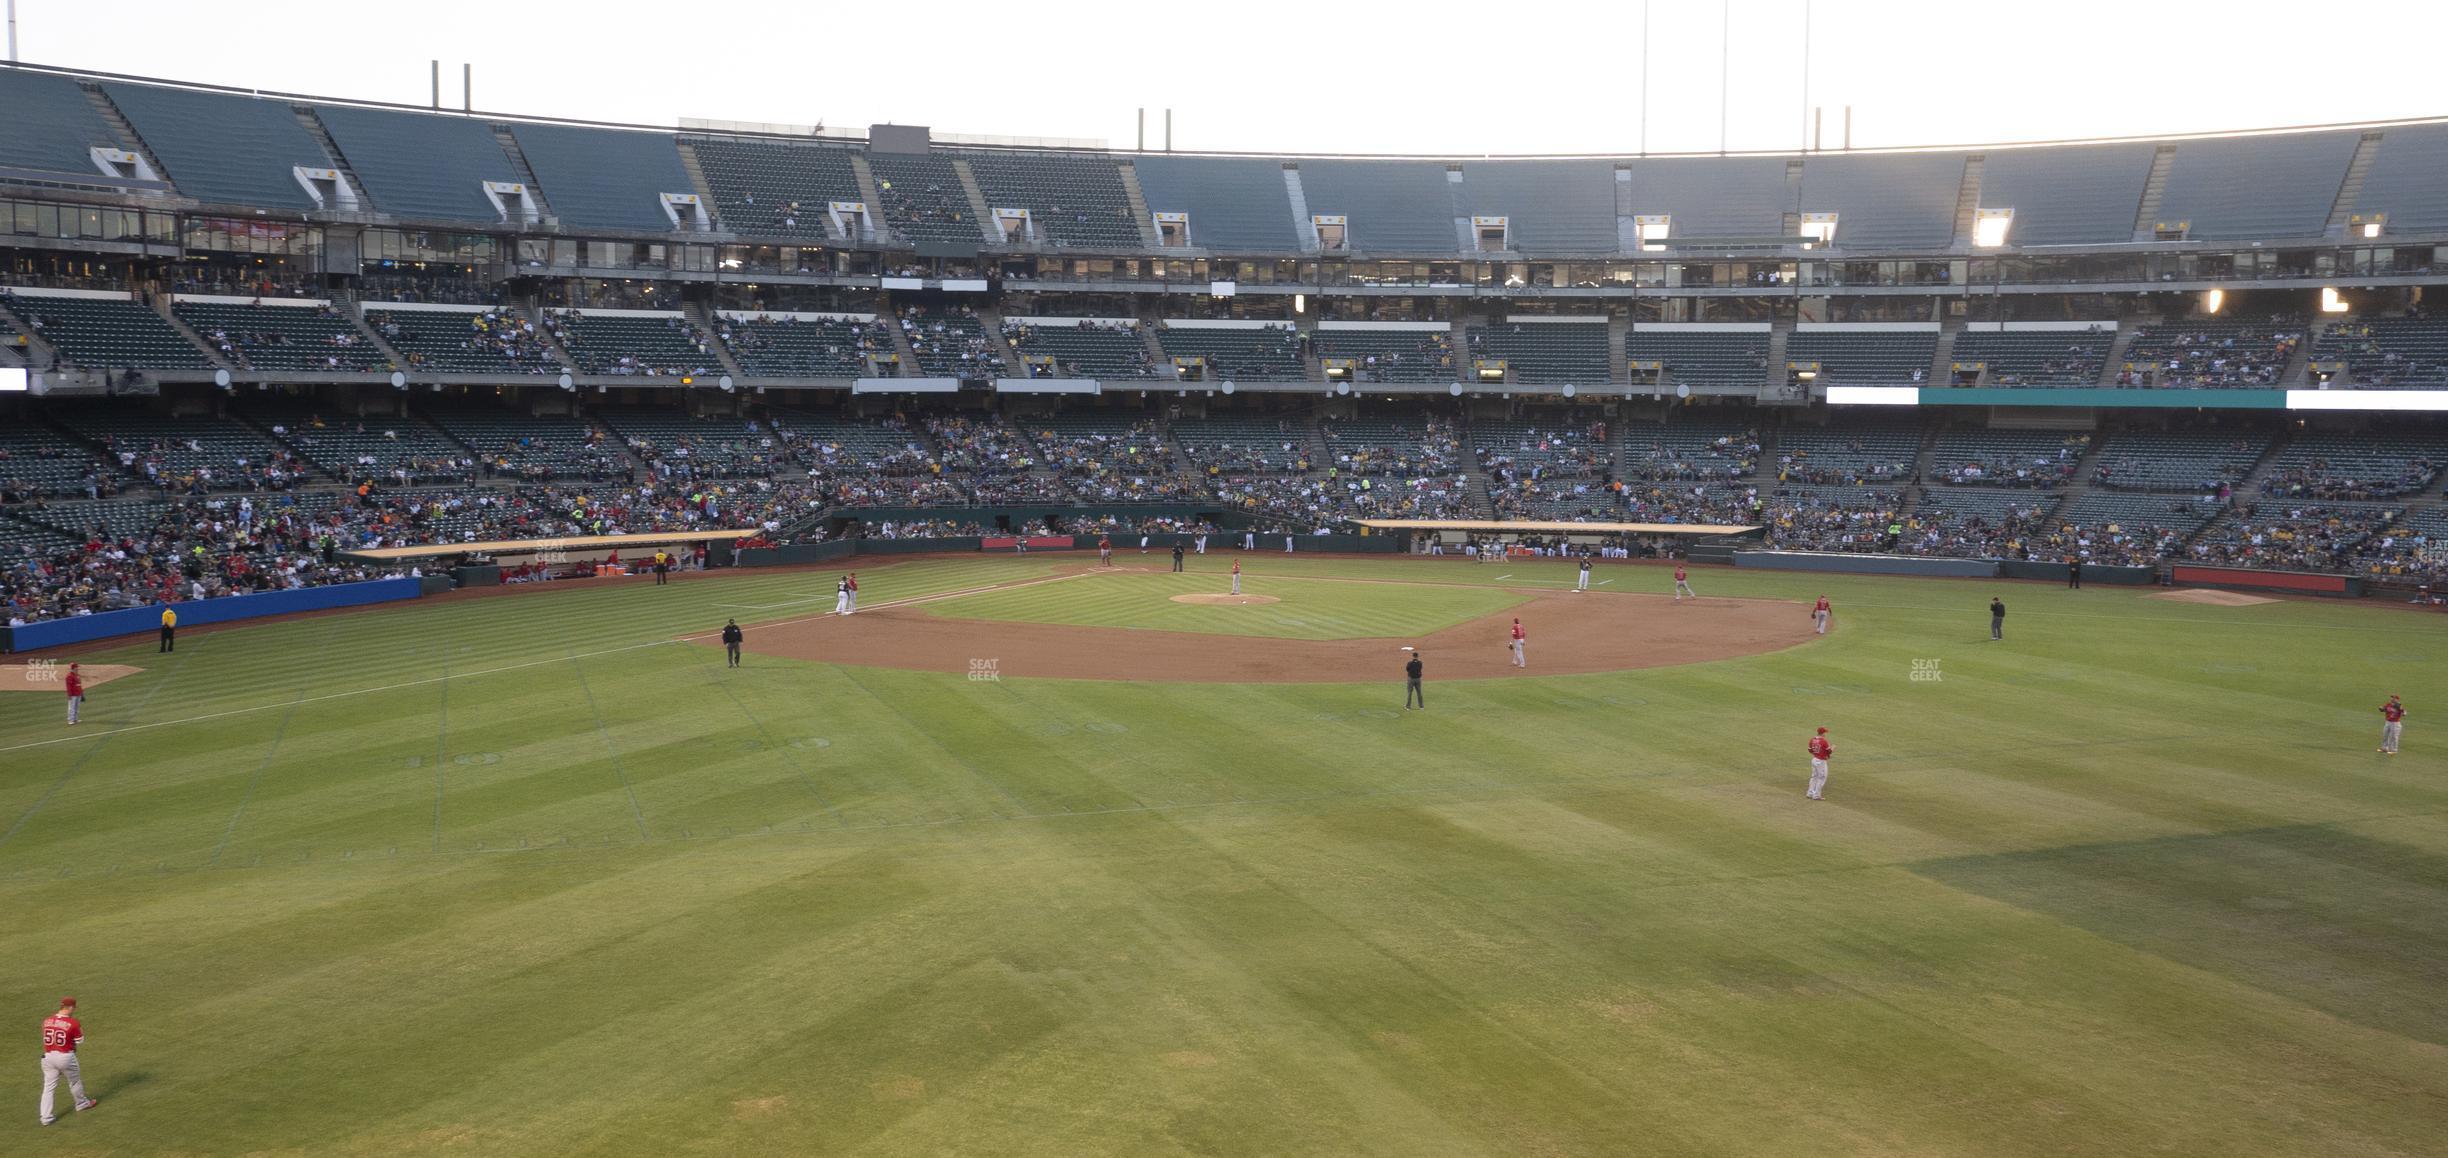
(199, 612)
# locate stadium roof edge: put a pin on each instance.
(1454, 158)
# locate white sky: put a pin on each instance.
(1515, 76)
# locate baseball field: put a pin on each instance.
(1029, 858)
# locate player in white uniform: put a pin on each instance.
(841, 596)
(1583, 585)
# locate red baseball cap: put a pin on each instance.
(1823, 731)
(67, 1003)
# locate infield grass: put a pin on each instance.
(523, 876)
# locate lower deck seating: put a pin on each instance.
(2181, 460)
(189, 455)
(2128, 529)
(1263, 445)
(1832, 518)
(2357, 465)
(390, 449)
(37, 462)
(1381, 446)
(2291, 536)
(1977, 522)
(676, 445)
(2006, 458)
(1847, 455)
(510, 445)
(1692, 451)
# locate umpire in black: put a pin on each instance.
(1413, 697)
(1177, 556)
(732, 635)
(2074, 572)
(1997, 618)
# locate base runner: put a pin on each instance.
(2392, 715)
(1821, 752)
(1683, 585)
(1820, 613)
(1521, 643)
(62, 1033)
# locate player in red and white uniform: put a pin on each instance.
(1683, 585)
(62, 1033)
(76, 693)
(1821, 752)
(1105, 551)
(1520, 643)
(1820, 613)
(1236, 577)
(2392, 715)
(851, 581)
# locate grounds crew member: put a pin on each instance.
(731, 636)
(662, 566)
(169, 637)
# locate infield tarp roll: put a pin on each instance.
(199, 612)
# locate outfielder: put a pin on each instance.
(1583, 585)
(1236, 577)
(76, 693)
(841, 596)
(1521, 645)
(62, 1033)
(1682, 584)
(1821, 752)
(1104, 550)
(1820, 614)
(2392, 714)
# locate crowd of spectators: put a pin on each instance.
(344, 349)
(1723, 458)
(2291, 537)
(2043, 471)
(1801, 519)
(1853, 471)
(2319, 479)
(506, 334)
(436, 289)
(2216, 355)
(1429, 446)
(956, 341)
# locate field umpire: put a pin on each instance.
(732, 635)
(1414, 698)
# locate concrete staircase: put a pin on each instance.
(987, 229)
(2146, 215)
(331, 148)
(345, 301)
(1922, 462)
(2120, 351)
(2350, 190)
(697, 181)
(37, 352)
(119, 124)
(992, 319)
(1942, 355)
(701, 318)
(870, 193)
(1967, 199)
(1302, 228)
(1138, 205)
(526, 175)
(1777, 334)
(161, 305)
(2298, 370)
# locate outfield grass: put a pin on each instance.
(519, 876)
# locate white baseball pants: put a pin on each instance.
(1820, 618)
(1818, 777)
(56, 1066)
(2388, 734)
(1519, 658)
(74, 703)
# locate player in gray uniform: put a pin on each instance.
(1583, 585)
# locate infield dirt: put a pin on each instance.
(1568, 634)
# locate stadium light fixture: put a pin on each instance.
(2213, 301)
(1989, 227)
(2331, 303)
(1652, 230)
(1300, 303)
(1819, 228)
(2371, 228)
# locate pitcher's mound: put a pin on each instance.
(2211, 597)
(46, 677)
(1226, 599)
